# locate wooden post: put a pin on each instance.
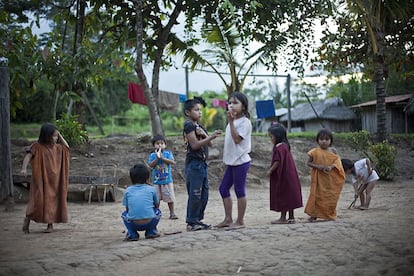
(289, 103)
(6, 180)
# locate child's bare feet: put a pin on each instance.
(26, 225)
(223, 224)
(235, 226)
(49, 228)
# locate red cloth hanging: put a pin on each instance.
(136, 93)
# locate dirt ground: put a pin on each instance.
(378, 241)
(100, 157)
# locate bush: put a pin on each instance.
(384, 158)
(360, 141)
(72, 130)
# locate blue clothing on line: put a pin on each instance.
(265, 109)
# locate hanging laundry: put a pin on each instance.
(136, 93)
(168, 101)
(183, 98)
(265, 109)
(219, 103)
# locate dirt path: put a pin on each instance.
(379, 241)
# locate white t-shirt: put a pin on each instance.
(237, 154)
(361, 168)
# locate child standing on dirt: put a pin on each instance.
(197, 140)
(49, 158)
(237, 146)
(285, 188)
(160, 162)
(364, 175)
(327, 178)
(141, 203)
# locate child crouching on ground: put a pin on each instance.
(141, 203)
(363, 173)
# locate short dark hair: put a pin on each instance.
(347, 164)
(139, 174)
(46, 133)
(324, 132)
(156, 138)
(189, 104)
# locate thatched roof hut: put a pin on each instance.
(329, 113)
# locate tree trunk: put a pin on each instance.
(379, 63)
(155, 117)
(152, 94)
(78, 86)
(380, 92)
(6, 180)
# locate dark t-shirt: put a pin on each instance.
(199, 154)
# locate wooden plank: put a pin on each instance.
(73, 179)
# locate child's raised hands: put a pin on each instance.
(158, 152)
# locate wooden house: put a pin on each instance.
(400, 114)
(330, 113)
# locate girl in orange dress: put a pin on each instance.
(327, 178)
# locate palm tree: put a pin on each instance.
(225, 40)
(381, 17)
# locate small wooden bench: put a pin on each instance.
(94, 182)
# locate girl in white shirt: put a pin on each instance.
(237, 146)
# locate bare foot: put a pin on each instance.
(236, 226)
(224, 224)
(49, 228)
(26, 225)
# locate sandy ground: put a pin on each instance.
(379, 241)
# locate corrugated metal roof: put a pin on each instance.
(331, 109)
(390, 99)
(409, 108)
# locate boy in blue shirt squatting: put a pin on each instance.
(141, 203)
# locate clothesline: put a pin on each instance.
(170, 101)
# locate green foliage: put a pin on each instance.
(360, 141)
(72, 130)
(384, 159)
(354, 92)
(383, 154)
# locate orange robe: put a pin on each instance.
(325, 187)
(49, 183)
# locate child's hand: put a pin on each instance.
(217, 133)
(328, 169)
(201, 132)
(230, 115)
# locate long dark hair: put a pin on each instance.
(279, 132)
(46, 133)
(244, 101)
